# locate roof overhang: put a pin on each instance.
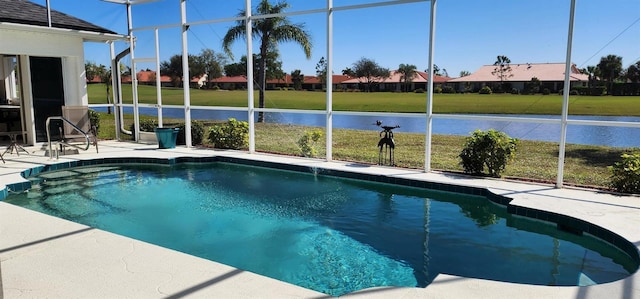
(87, 36)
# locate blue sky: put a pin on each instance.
(469, 33)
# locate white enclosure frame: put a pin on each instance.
(563, 121)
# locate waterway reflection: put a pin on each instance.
(578, 134)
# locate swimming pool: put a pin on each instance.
(329, 234)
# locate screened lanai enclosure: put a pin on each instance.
(337, 29)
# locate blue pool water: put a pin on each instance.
(325, 233)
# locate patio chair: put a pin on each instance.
(78, 116)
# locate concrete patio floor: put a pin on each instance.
(47, 257)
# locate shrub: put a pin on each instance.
(448, 89)
(197, 133)
(625, 174)
(546, 91)
(94, 119)
(437, 89)
(419, 90)
(308, 142)
(215, 87)
(491, 148)
(231, 135)
(146, 125)
(515, 91)
(485, 90)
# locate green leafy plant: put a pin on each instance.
(94, 119)
(485, 90)
(308, 142)
(625, 174)
(197, 133)
(231, 135)
(491, 148)
(146, 125)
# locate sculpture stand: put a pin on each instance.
(386, 145)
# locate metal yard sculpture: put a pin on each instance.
(386, 145)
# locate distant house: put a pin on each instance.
(42, 65)
(149, 78)
(230, 83)
(551, 76)
(395, 83)
(309, 82)
(314, 83)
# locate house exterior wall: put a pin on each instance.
(26, 43)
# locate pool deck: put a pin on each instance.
(47, 257)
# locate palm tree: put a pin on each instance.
(610, 67)
(105, 77)
(270, 31)
(407, 72)
(593, 74)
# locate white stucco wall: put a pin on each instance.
(66, 46)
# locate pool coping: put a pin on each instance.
(611, 215)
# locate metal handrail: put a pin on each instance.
(86, 136)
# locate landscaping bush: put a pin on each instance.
(448, 89)
(546, 91)
(146, 125)
(419, 90)
(197, 133)
(94, 119)
(515, 91)
(625, 174)
(485, 90)
(308, 142)
(437, 89)
(231, 135)
(491, 148)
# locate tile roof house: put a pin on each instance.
(395, 83)
(42, 65)
(551, 75)
(309, 82)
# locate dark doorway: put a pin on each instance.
(48, 92)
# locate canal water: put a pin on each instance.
(577, 134)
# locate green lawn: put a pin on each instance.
(389, 101)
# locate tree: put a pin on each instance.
(90, 68)
(436, 70)
(370, 71)
(464, 73)
(213, 63)
(100, 71)
(273, 67)
(502, 69)
(610, 68)
(270, 31)
(407, 72)
(173, 68)
(593, 72)
(236, 69)
(297, 78)
(633, 72)
(321, 71)
(348, 72)
(105, 77)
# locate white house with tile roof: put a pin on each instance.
(42, 64)
(551, 75)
